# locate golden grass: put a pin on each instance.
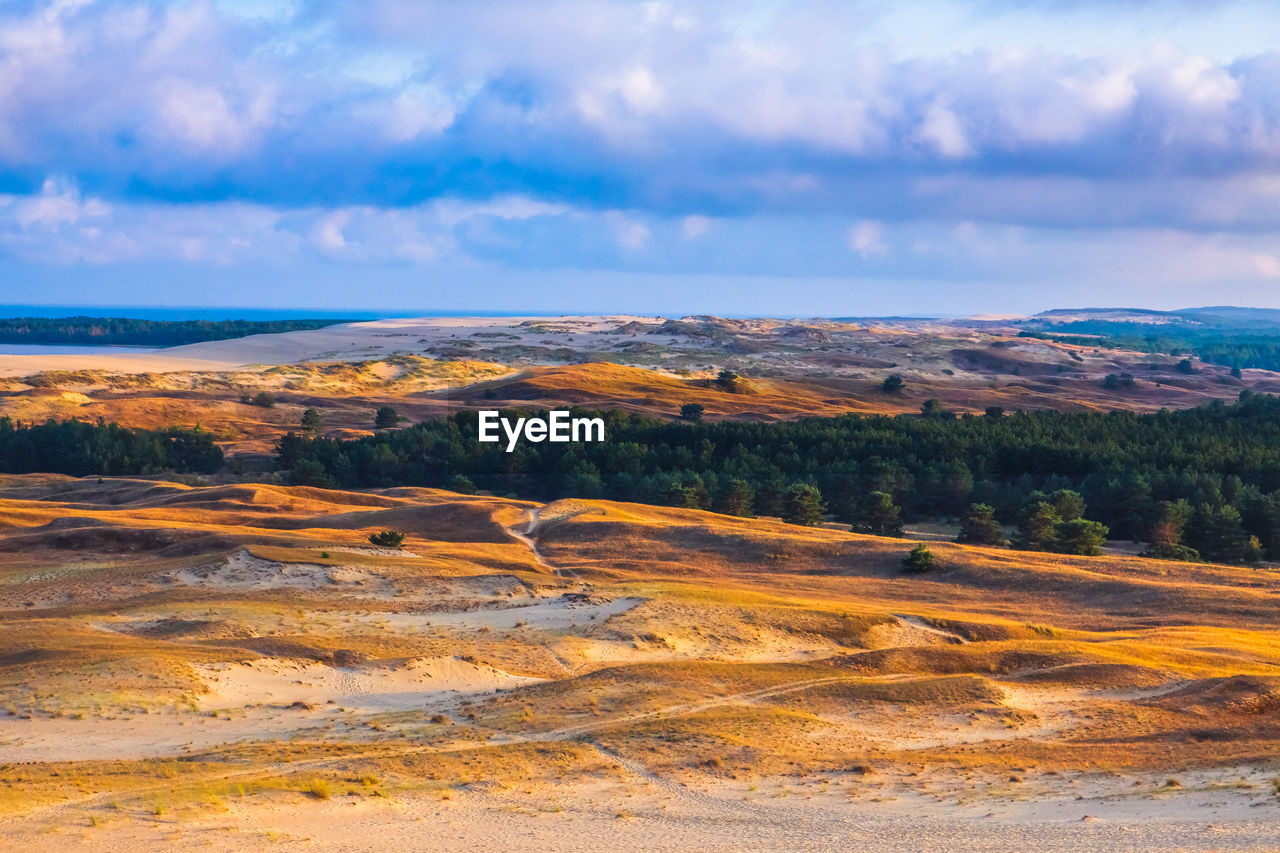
(755, 647)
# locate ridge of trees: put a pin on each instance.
(80, 448)
(125, 331)
(1219, 463)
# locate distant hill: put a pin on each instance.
(1228, 335)
(1213, 315)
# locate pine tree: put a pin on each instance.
(311, 420)
(1037, 528)
(736, 498)
(980, 527)
(876, 513)
(804, 504)
(1080, 536)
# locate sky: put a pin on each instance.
(745, 157)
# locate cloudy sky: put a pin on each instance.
(792, 158)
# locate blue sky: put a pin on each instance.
(785, 158)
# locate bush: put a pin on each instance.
(919, 560)
(386, 417)
(387, 539)
(461, 484)
(264, 399)
(892, 385)
(1170, 551)
(691, 412)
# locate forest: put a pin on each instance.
(122, 331)
(1199, 482)
(1236, 349)
(80, 449)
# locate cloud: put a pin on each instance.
(867, 239)
(671, 137)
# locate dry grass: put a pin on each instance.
(748, 649)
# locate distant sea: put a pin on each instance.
(151, 312)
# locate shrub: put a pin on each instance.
(264, 399)
(387, 539)
(691, 412)
(892, 385)
(386, 417)
(318, 788)
(919, 560)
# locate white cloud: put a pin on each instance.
(694, 227)
(867, 239)
(327, 233)
(633, 235)
(941, 128)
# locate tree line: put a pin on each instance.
(80, 449)
(124, 331)
(1201, 482)
(1233, 349)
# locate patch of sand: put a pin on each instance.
(362, 688)
(244, 572)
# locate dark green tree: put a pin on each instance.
(1068, 504)
(933, 408)
(1080, 536)
(804, 504)
(1218, 533)
(919, 560)
(311, 420)
(691, 412)
(892, 384)
(979, 527)
(386, 417)
(877, 514)
(461, 484)
(387, 539)
(309, 472)
(736, 498)
(1037, 527)
(728, 380)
